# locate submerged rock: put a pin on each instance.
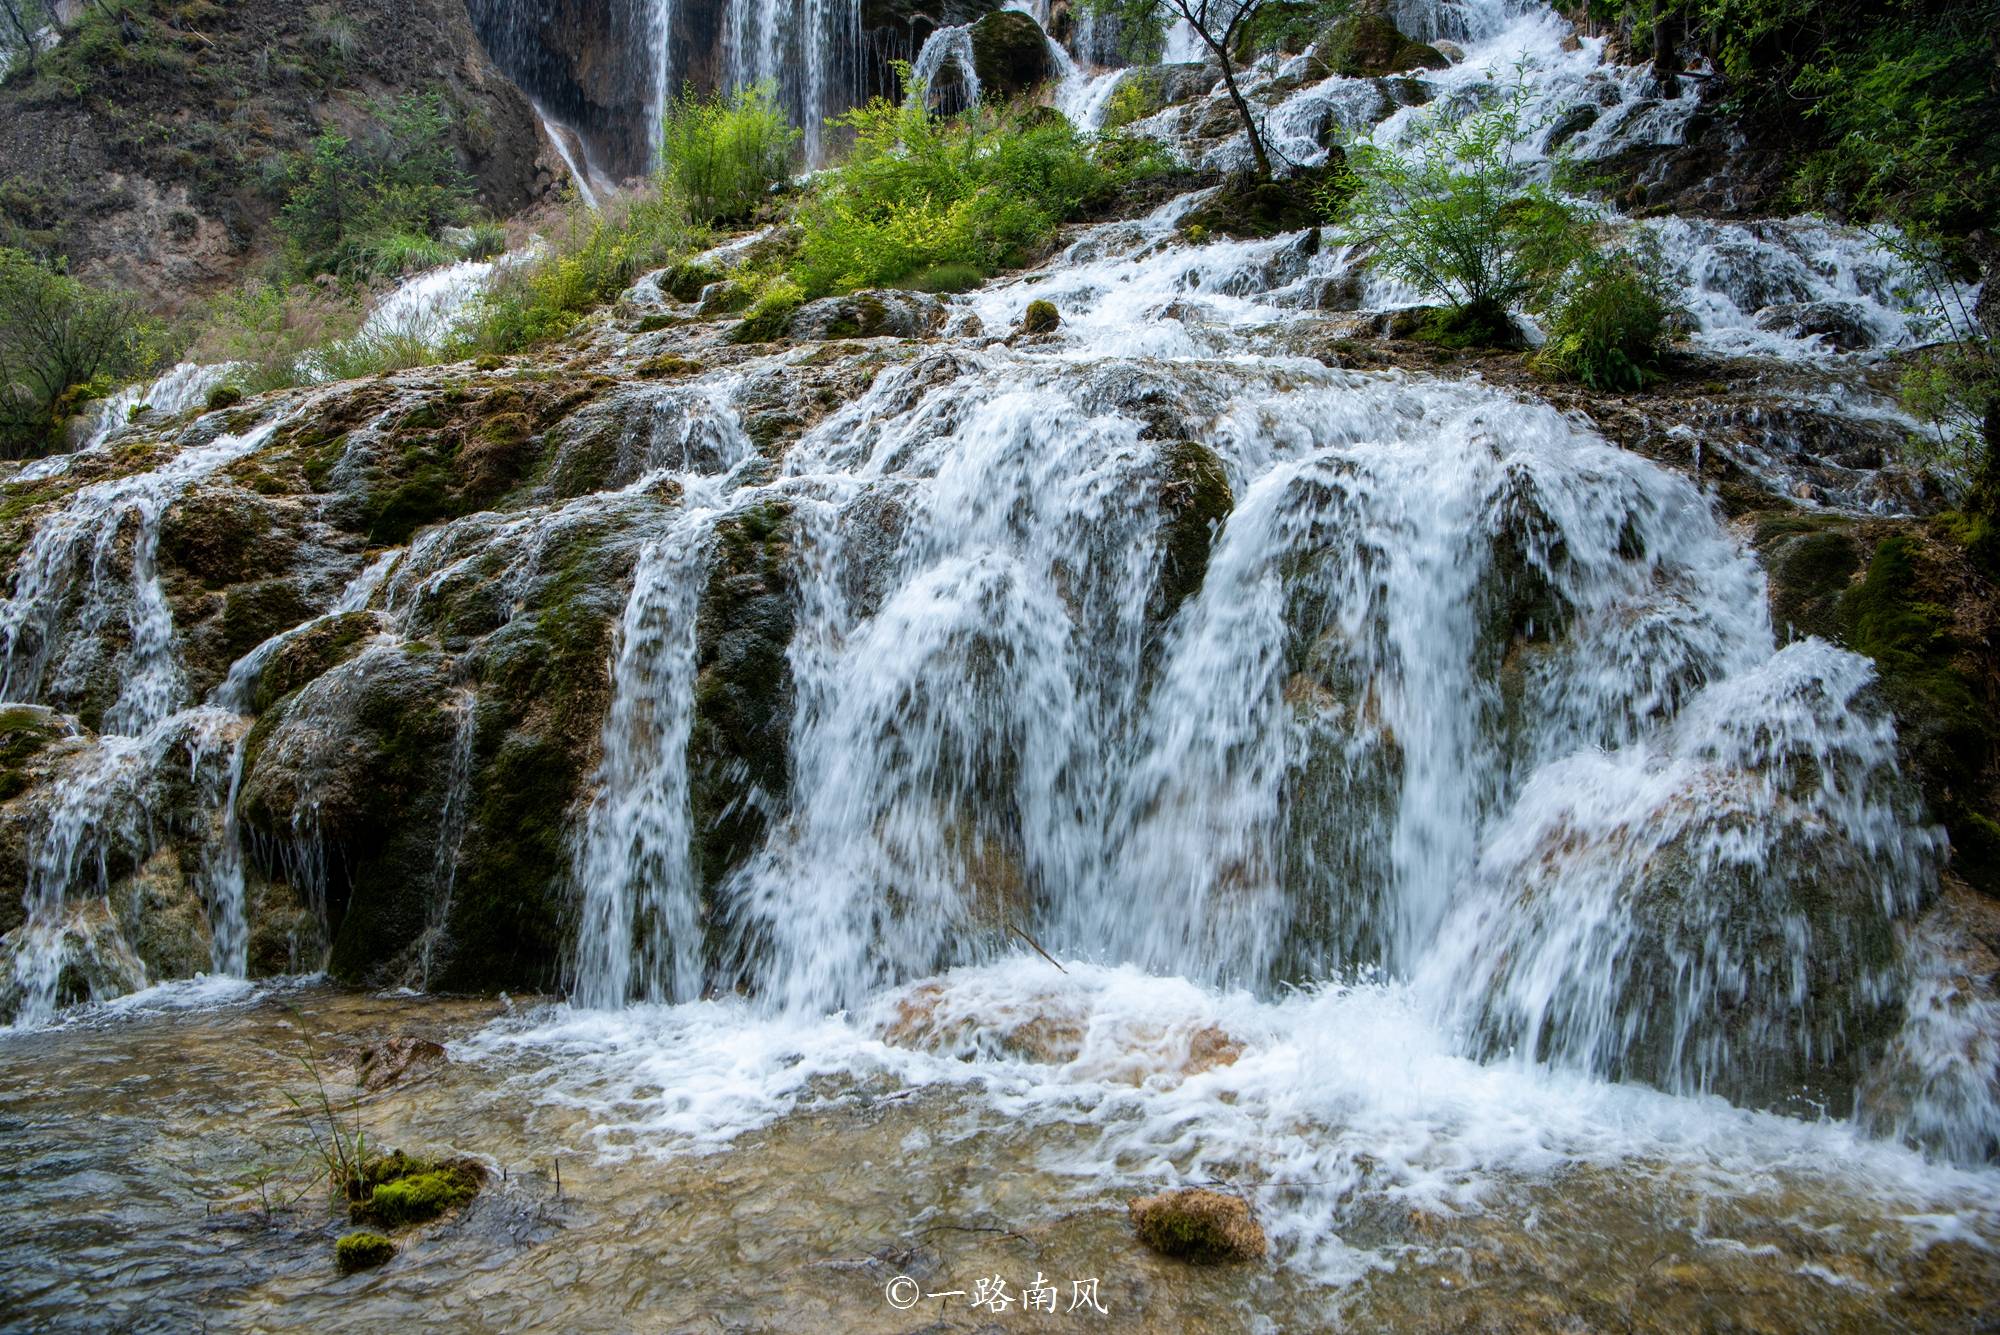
(1199, 1226)
(390, 1062)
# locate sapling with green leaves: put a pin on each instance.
(1461, 213)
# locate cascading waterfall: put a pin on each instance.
(949, 47)
(641, 933)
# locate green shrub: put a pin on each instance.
(591, 259)
(771, 313)
(1612, 322)
(268, 329)
(1137, 96)
(981, 191)
(1459, 215)
(62, 342)
(375, 207)
(722, 154)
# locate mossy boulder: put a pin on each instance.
(1010, 54)
(419, 1192)
(348, 776)
(25, 732)
(1366, 46)
(1195, 501)
(1041, 317)
(361, 1251)
(887, 314)
(1198, 1226)
(1249, 209)
(253, 612)
(738, 748)
(397, 1190)
(310, 653)
(220, 536)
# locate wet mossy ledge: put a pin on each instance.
(1921, 601)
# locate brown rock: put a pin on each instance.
(1199, 1226)
(380, 1065)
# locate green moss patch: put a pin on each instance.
(362, 1251)
(403, 1191)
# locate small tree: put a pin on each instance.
(61, 341)
(21, 24)
(1221, 25)
(721, 154)
(1459, 214)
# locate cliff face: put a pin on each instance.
(145, 147)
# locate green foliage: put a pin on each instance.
(1458, 215)
(722, 154)
(1137, 96)
(1954, 387)
(62, 342)
(1914, 122)
(984, 190)
(268, 330)
(771, 312)
(590, 260)
(375, 207)
(1612, 321)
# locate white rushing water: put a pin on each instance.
(1395, 735)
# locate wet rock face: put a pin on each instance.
(1369, 45)
(893, 30)
(739, 763)
(338, 783)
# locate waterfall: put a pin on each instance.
(452, 820)
(641, 933)
(946, 47)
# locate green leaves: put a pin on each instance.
(368, 208)
(62, 342)
(722, 154)
(1457, 215)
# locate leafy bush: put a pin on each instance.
(722, 154)
(1613, 320)
(983, 191)
(1137, 96)
(591, 258)
(1458, 215)
(62, 342)
(269, 329)
(375, 207)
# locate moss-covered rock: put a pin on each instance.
(253, 612)
(887, 314)
(361, 1251)
(417, 1191)
(1041, 317)
(738, 747)
(1248, 208)
(1195, 501)
(1363, 46)
(219, 536)
(347, 776)
(25, 732)
(307, 655)
(1010, 54)
(1197, 1225)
